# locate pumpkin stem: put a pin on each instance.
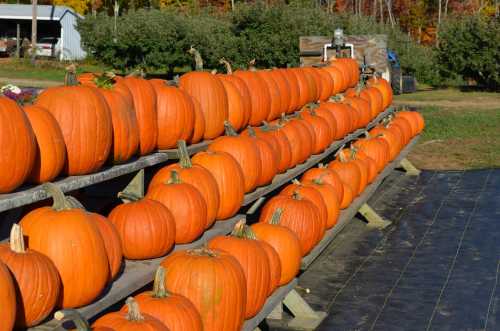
(203, 251)
(198, 60)
(174, 81)
(366, 134)
(17, 239)
(239, 229)
(321, 165)
(133, 314)
(214, 71)
(174, 177)
(275, 219)
(106, 80)
(60, 201)
(339, 150)
(182, 151)
(129, 196)
(159, 290)
(317, 181)
(230, 131)
(229, 69)
(251, 132)
(342, 157)
(295, 181)
(296, 196)
(70, 76)
(312, 106)
(73, 315)
(74, 202)
(251, 65)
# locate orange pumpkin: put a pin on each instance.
(327, 176)
(36, 279)
(50, 151)
(293, 137)
(259, 96)
(306, 136)
(327, 115)
(223, 293)
(238, 113)
(186, 205)
(146, 227)
(268, 157)
(174, 311)
(274, 93)
(371, 165)
(329, 195)
(326, 85)
(195, 175)
(199, 123)
(274, 263)
(385, 89)
(349, 173)
(294, 90)
(67, 234)
(254, 262)
(339, 81)
(376, 148)
(7, 299)
(229, 177)
(284, 89)
(278, 138)
(392, 139)
(348, 196)
(343, 118)
(321, 129)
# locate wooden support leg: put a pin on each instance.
(410, 169)
(305, 318)
(136, 185)
(371, 216)
(277, 312)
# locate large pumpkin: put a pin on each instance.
(274, 92)
(144, 98)
(209, 91)
(7, 299)
(342, 116)
(358, 154)
(51, 151)
(327, 176)
(293, 137)
(384, 87)
(294, 90)
(71, 239)
(186, 204)
(339, 82)
(329, 195)
(392, 139)
(269, 157)
(238, 113)
(349, 173)
(376, 148)
(245, 152)
(254, 261)
(284, 88)
(326, 85)
(85, 121)
(176, 115)
(132, 320)
(146, 228)
(286, 244)
(229, 177)
(18, 145)
(173, 310)
(279, 140)
(221, 298)
(259, 96)
(36, 279)
(299, 215)
(327, 115)
(321, 129)
(195, 175)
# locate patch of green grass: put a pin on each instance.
(450, 94)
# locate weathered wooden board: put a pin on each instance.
(296, 171)
(29, 194)
(137, 274)
(173, 153)
(347, 214)
(275, 299)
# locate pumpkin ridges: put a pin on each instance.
(236, 105)
(199, 123)
(112, 244)
(329, 195)
(259, 96)
(294, 90)
(322, 131)
(7, 299)
(325, 175)
(274, 93)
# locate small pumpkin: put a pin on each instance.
(279, 140)
(321, 129)
(268, 157)
(329, 195)
(327, 176)
(294, 90)
(284, 89)
(348, 172)
(343, 118)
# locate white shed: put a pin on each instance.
(52, 21)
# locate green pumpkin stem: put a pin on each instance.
(229, 69)
(239, 229)
(133, 314)
(317, 181)
(342, 157)
(251, 132)
(296, 181)
(17, 239)
(230, 131)
(129, 196)
(60, 201)
(275, 219)
(198, 60)
(296, 195)
(159, 290)
(73, 315)
(174, 177)
(182, 151)
(106, 80)
(312, 106)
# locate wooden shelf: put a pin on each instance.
(26, 195)
(296, 171)
(347, 214)
(137, 274)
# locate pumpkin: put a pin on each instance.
(286, 244)
(306, 136)
(254, 262)
(343, 118)
(307, 89)
(144, 98)
(348, 172)
(199, 123)
(384, 87)
(313, 80)
(274, 264)
(371, 165)
(392, 139)
(278, 138)
(71, 239)
(329, 195)
(112, 244)
(186, 204)
(326, 84)
(402, 126)
(292, 135)
(174, 311)
(221, 300)
(175, 114)
(209, 91)
(284, 89)
(299, 215)
(238, 113)
(362, 107)
(344, 70)
(310, 194)
(329, 118)
(376, 148)
(268, 158)
(363, 166)
(7, 299)
(321, 130)
(242, 89)
(244, 150)
(35, 277)
(274, 92)
(348, 196)
(414, 118)
(327, 176)
(18, 145)
(195, 175)
(353, 68)
(260, 96)
(50, 150)
(294, 90)
(371, 95)
(146, 227)
(229, 178)
(132, 320)
(337, 76)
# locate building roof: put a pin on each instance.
(45, 12)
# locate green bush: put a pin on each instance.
(470, 47)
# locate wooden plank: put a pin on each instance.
(29, 194)
(347, 214)
(173, 153)
(296, 171)
(138, 274)
(275, 299)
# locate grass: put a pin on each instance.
(462, 129)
